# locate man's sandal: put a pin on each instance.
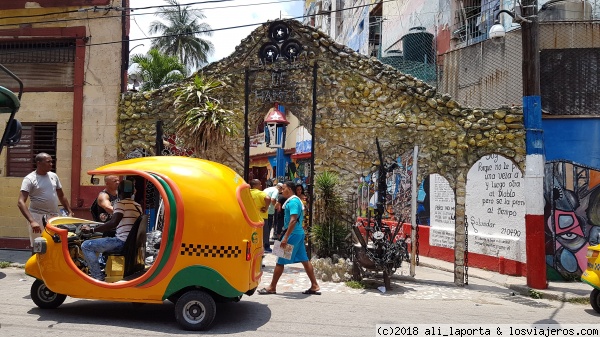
(311, 292)
(264, 291)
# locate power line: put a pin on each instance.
(141, 30)
(179, 5)
(239, 26)
(220, 29)
(132, 9)
(100, 8)
(137, 14)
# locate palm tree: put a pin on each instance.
(201, 120)
(157, 69)
(181, 34)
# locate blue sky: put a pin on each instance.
(224, 41)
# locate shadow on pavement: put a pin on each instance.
(592, 312)
(230, 318)
(490, 289)
(295, 295)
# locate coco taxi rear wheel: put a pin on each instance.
(195, 310)
(595, 300)
(44, 297)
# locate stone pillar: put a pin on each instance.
(459, 229)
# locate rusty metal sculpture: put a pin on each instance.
(380, 248)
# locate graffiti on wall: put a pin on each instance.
(299, 172)
(572, 217)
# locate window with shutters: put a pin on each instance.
(39, 64)
(35, 138)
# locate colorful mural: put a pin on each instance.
(572, 217)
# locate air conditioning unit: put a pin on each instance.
(393, 52)
(567, 10)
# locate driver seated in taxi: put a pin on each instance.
(126, 211)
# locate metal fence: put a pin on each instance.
(487, 73)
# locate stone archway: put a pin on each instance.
(358, 99)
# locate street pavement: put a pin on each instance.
(429, 298)
(433, 279)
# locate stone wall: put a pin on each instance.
(358, 99)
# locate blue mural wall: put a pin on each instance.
(575, 140)
(571, 193)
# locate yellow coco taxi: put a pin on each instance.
(210, 247)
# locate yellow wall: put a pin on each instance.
(57, 108)
(101, 93)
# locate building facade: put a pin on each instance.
(71, 58)
(446, 44)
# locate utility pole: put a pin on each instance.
(534, 161)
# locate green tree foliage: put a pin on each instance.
(330, 231)
(181, 34)
(157, 69)
(201, 121)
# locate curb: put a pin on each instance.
(527, 291)
(14, 265)
(522, 290)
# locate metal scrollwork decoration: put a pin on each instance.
(136, 153)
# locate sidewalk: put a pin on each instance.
(16, 257)
(561, 291)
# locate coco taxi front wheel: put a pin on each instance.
(44, 297)
(195, 310)
(595, 300)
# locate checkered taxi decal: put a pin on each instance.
(210, 251)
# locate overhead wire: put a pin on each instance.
(95, 8)
(139, 14)
(132, 9)
(220, 29)
(242, 26)
(138, 25)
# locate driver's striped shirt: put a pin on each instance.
(131, 211)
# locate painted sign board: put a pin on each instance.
(441, 199)
(495, 208)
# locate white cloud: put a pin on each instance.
(224, 41)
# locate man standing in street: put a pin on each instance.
(272, 192)
(293, 235)
(45, 190)
(279, 212)
(262, 202)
